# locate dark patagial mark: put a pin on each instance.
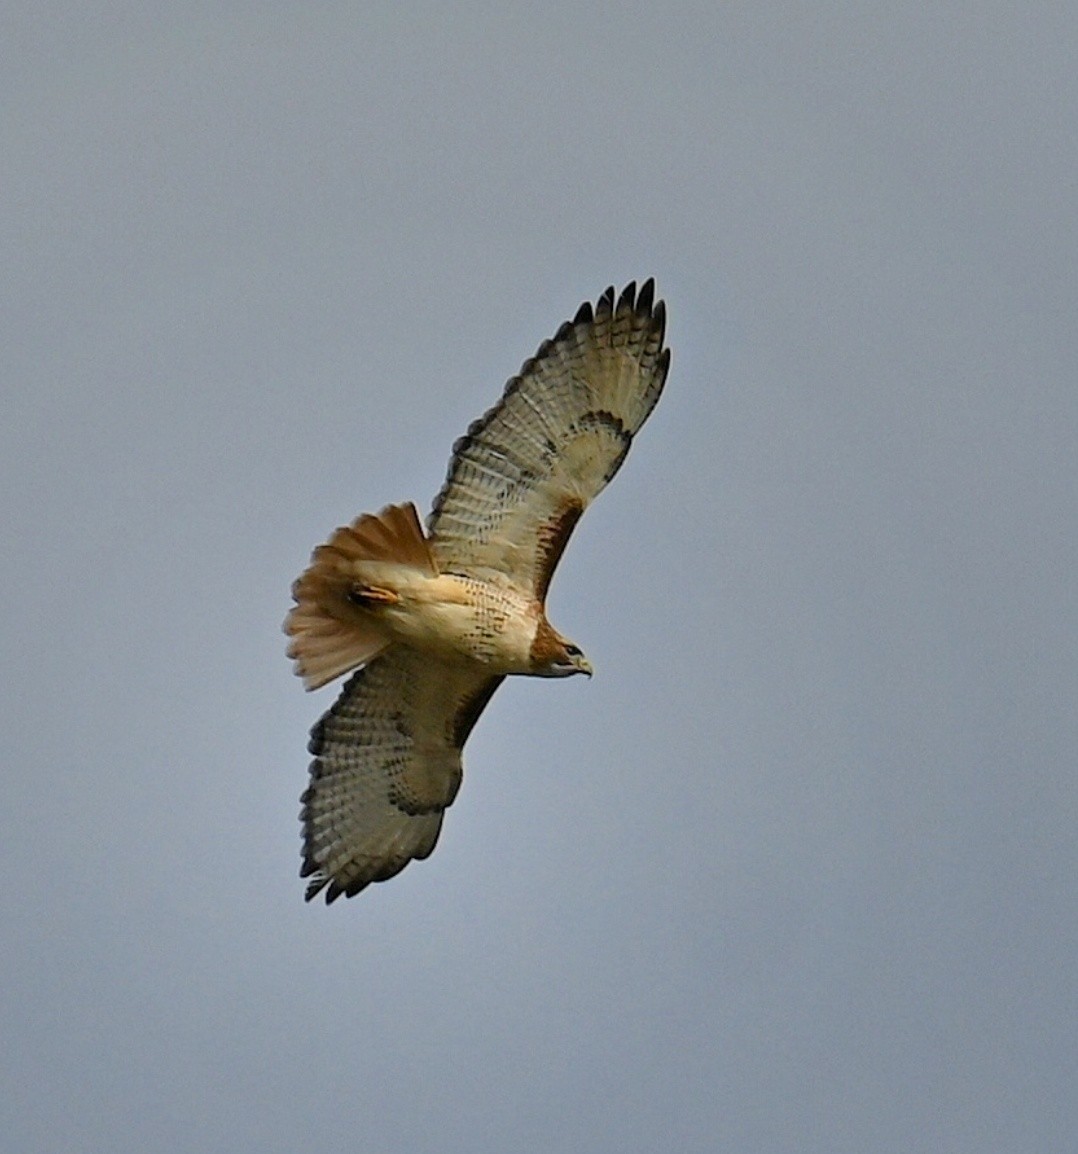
(552, 539)
(469, 710)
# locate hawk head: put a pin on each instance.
(555, 656)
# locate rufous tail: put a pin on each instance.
(334, 624)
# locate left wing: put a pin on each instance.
(523, 474)
(387, 764)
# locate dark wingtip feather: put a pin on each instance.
(583, 317)
(658, 320)
(645, 297)
(627, 298)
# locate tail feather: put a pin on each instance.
(394, 534)
(321, 655)
(332, 629)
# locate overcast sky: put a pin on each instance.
(797, 870)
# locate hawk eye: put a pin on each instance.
(574, 650)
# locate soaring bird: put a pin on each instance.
(434, 621)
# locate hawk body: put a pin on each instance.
(434, 621)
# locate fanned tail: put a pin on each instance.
(334, 625)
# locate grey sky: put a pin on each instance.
(797, 870)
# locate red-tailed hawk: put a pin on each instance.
(437, 621)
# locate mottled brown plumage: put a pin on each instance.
(436, 621)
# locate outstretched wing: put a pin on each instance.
(386, 765)
(523, 474)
